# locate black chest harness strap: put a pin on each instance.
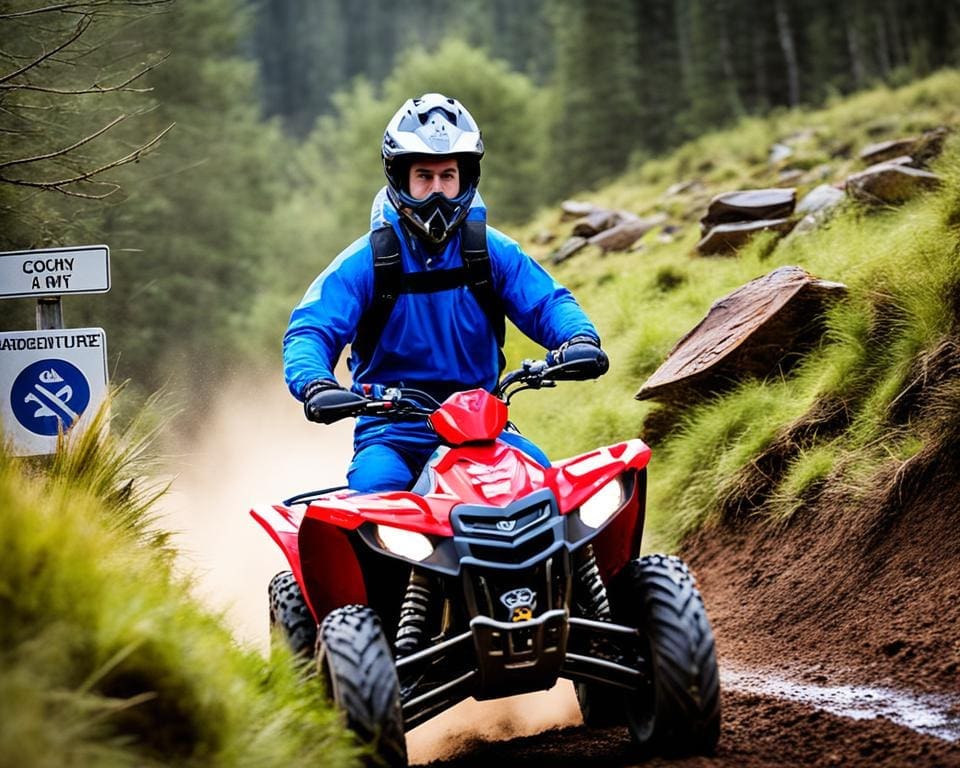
(389, 281)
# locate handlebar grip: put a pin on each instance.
(591, 364)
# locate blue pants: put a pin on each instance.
(390, 460)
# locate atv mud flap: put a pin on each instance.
(517, 657)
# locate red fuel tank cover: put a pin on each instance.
(470, 416)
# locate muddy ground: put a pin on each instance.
(860, 589)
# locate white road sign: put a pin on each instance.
(55, 271)
(49, 380)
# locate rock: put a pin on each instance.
(543, 237)
(749, 205)
(680, 187)
(901, 160)
(817, 206)
(575, 209)
(882, 151)
(756, 330)
(725, 238)
(888, 183)
(570, 247)
(841, 149)
(929, 145)
(818, 174)
(922, 149)
(627, 232)
(668, 234)
(779, 152)
(819, 198)
(595, 222)
(788, 177)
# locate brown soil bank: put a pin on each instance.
(863, 591)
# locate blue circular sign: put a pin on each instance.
(49, 393)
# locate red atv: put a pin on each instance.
(492, 576)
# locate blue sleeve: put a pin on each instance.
(536, 303)
(326, 319)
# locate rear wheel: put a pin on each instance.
(678, 710)
(357, 665)
(290, 619)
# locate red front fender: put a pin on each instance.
(329, 574)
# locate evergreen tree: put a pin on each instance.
(595, 126)
(712, 95)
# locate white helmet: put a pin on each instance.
(432, 126)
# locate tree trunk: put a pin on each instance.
(789, 53)
(856, 53)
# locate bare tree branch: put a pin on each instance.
(82, 25)
(82, 7)
(65, 150)
(95, 88)
(54, 8)
(59, 184)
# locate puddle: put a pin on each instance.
(929, 714)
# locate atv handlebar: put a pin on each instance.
(406, 402)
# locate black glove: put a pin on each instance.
(325, 401)
(582, 358)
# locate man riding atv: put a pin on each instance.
(421, 298)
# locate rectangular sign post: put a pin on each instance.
(54, 272)
(52, 379)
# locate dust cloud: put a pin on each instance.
(254, 449)
(471, 721)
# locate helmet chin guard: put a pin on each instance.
(433, 127)
(434, 218)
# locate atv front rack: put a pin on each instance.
(499, 658)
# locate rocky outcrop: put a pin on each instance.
(890, 184)
(726, 238)
(609, 230)
(921, 149)
(733, 217)
(576, 209)
(758, 329)
(627, 232)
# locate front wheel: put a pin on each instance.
(356, 663)
(678, 710)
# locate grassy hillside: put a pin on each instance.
(876, 394)
(105, 659)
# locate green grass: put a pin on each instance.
(106, 659)
(901, 269)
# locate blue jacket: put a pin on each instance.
(430, 337)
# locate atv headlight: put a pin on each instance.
(408, 544)
(600, 507)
